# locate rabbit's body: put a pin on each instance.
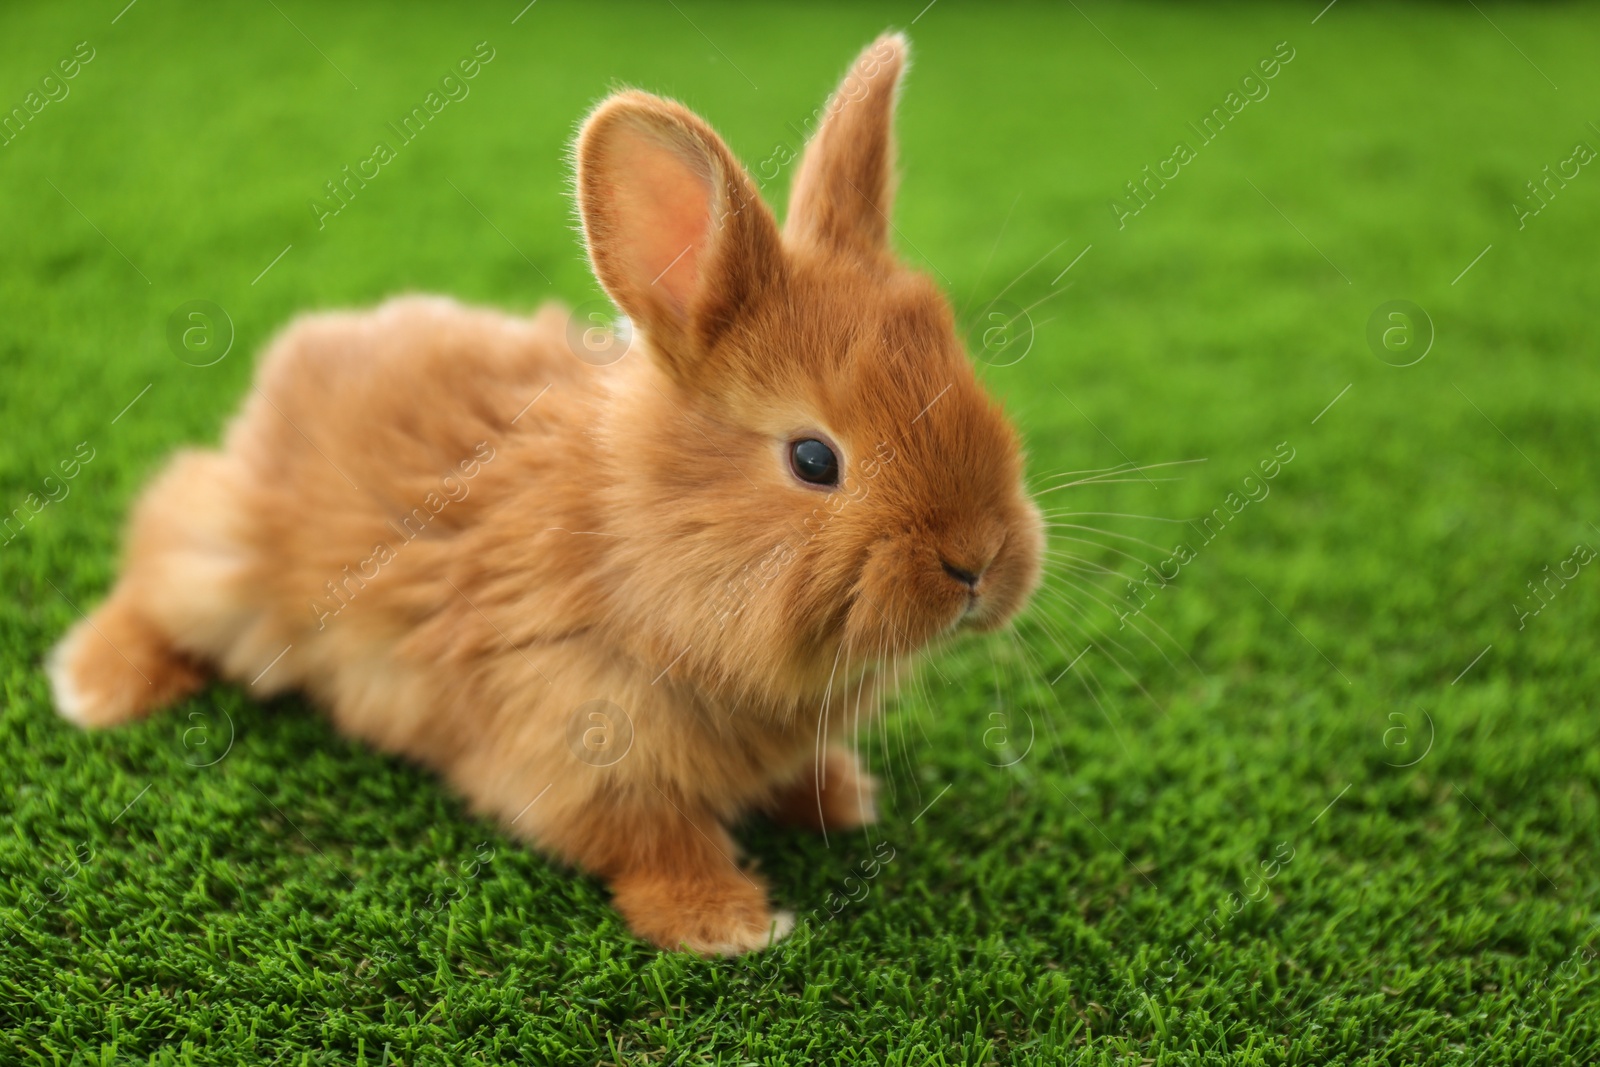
(379, 533)
(617, 607)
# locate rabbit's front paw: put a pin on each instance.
(725, 916)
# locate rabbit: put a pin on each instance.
(616, 607)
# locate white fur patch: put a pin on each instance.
(782, 925)
(71, 703)
(754, 941)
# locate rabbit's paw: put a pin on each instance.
(724, 916)
(115, 666)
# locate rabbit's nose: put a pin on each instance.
(965, 577)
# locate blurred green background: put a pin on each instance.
(1329, 797)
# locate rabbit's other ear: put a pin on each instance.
(675, 230)
(845, 182)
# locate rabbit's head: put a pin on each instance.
(806, 469)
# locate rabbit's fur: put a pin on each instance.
(597, 599)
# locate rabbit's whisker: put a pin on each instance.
(1100, 530)
(1108, 548)
(1120, 468)
(1127, 618)
(1080, 671)
(1072, 602)
(1060, 513)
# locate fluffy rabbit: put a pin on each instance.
(617, 607)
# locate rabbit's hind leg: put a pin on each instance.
(116, 665)
(176, 607)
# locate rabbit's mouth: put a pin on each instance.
(978, 616)
(969, 617)
(967, 622)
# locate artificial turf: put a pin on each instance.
(1340, 807)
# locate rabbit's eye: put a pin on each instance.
(814, 462)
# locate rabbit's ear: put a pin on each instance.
(845, 182)
(675, 230)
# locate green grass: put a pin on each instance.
(296, 898)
